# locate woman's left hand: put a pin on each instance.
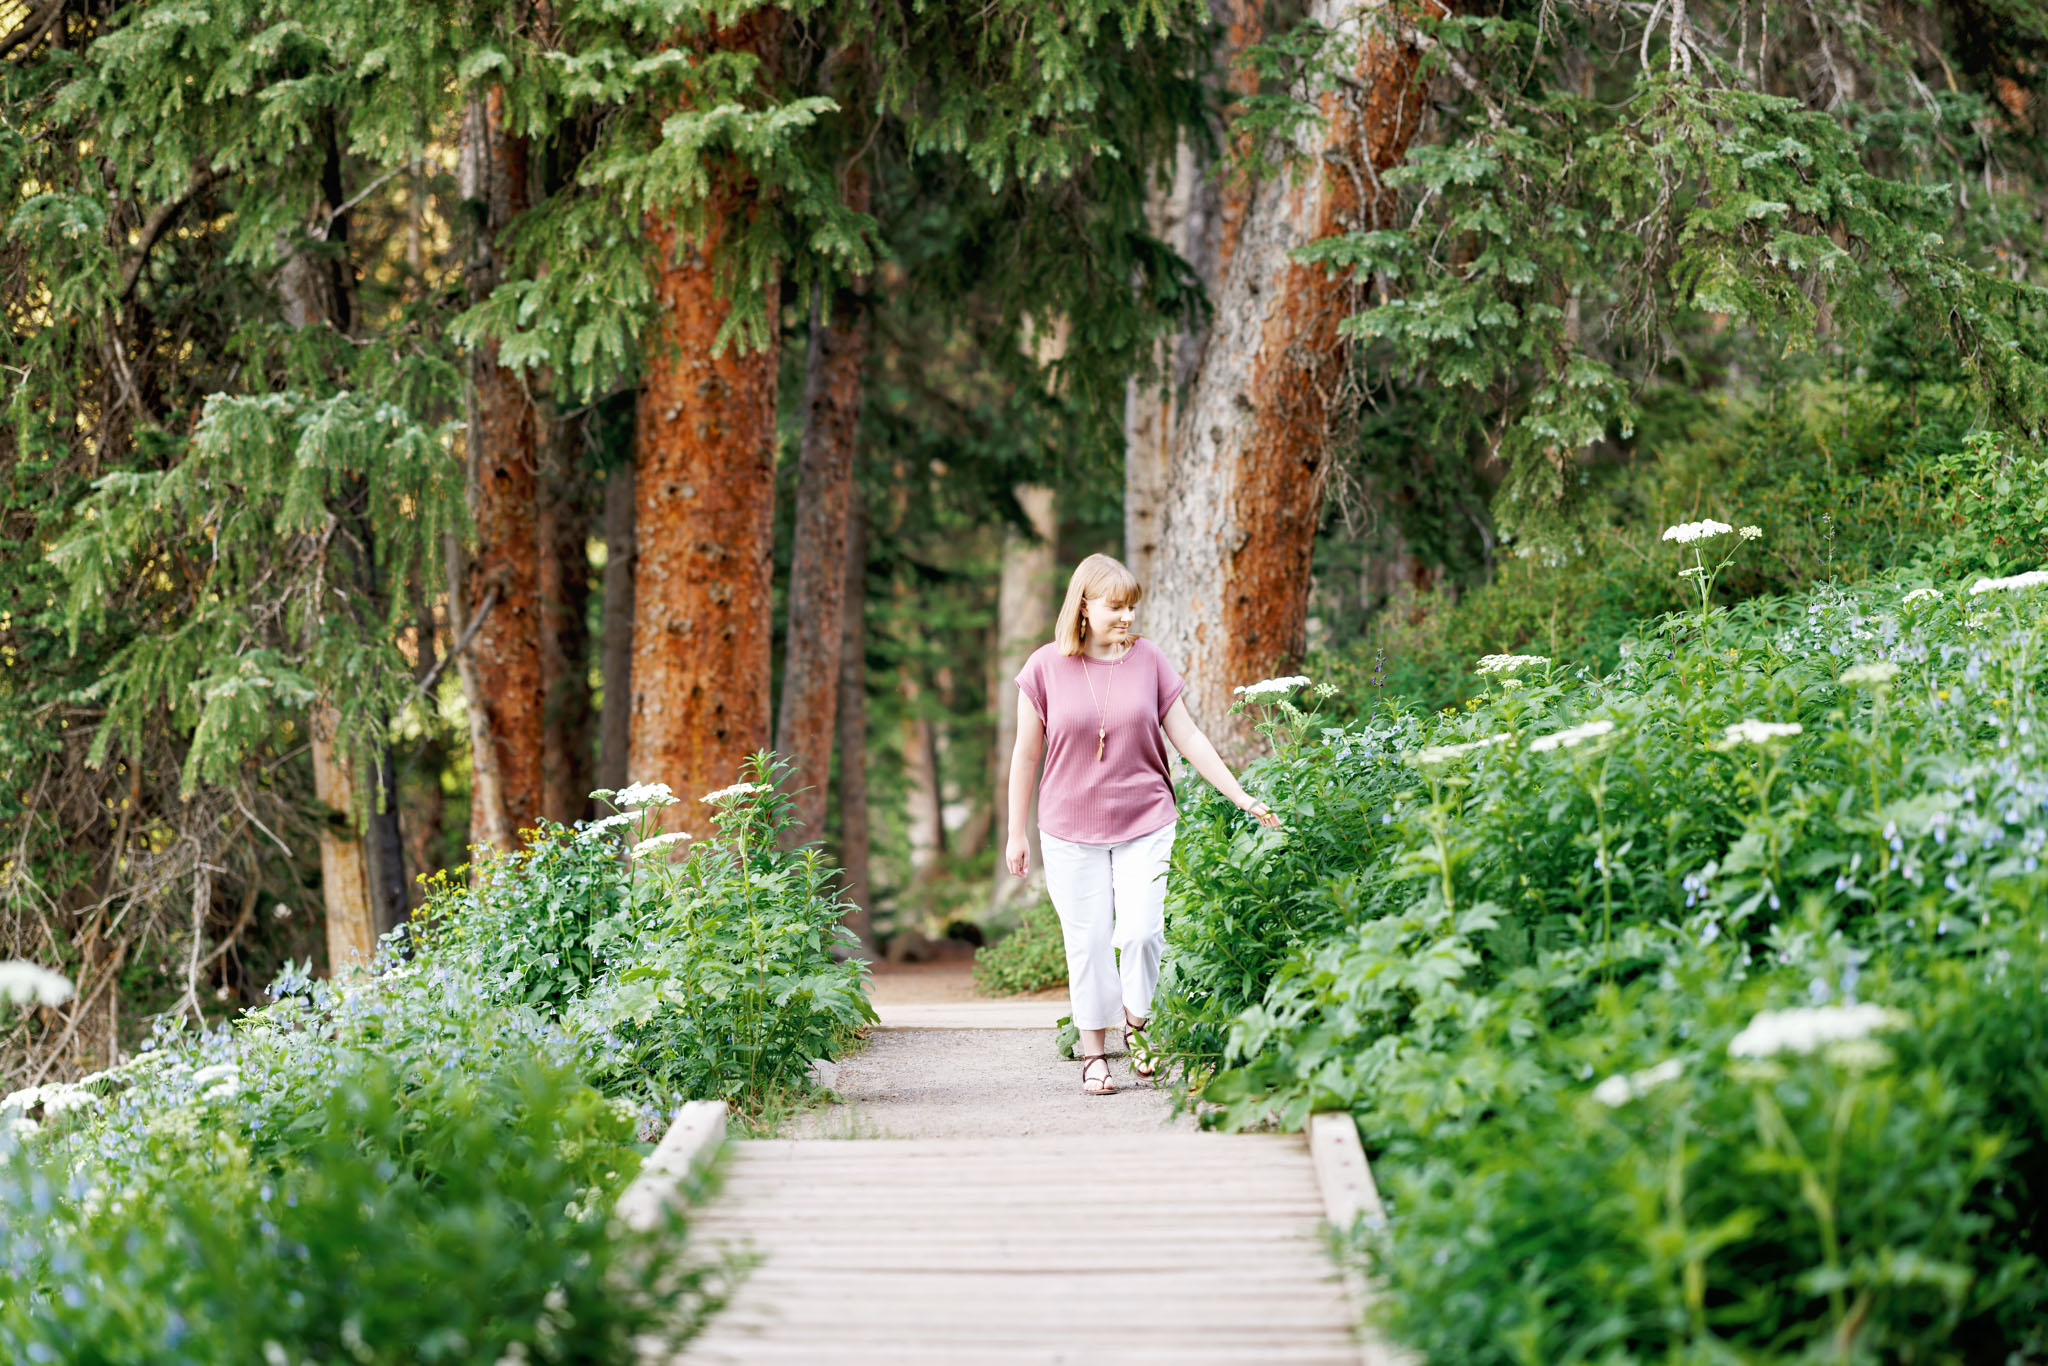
(1264, 814)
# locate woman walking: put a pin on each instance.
(1092, 705)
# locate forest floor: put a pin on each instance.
(968, 1067)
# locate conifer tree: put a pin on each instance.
(1247, 477)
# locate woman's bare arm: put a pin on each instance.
(1024, 760)
(1194, 746)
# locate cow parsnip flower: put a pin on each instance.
(25, 983)
(1270, 687)
(1565, 739)
(1872, 675)
(1754, 732)
(1805, 1029)
(733, 793)
(1921, 595)
(1685, 533)
(1443, 754)
(1751, 533)
(2012, 582)
(636, 795)
(659, 842)
(1507, 664)
(1620, 1089)
(596, 828)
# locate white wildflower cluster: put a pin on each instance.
(1921, 595)
(1443, 754)
(657, 843)
(1620, 1090)
(1685, 533)
(1751, 533)
(636, 795)
(221, 1081)
(1565, 739)
(1874, 675)
(597, 828)
(733, 793)
(23, 983)
(1803, 1030)
(1753, 732)
(1270, 687)
(2032, 579)
(1507, 664)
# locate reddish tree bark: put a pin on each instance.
(504, 678)
(1248, 474)
(705, 530)
(817, 572)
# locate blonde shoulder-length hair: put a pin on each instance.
(1098, 576)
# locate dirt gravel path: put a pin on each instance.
(980, 1083)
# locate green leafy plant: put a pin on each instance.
(1571, 955)
(1031, 957)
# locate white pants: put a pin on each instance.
(1111, 900)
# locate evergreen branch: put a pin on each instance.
(159, 222)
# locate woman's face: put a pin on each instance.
(1109, 620)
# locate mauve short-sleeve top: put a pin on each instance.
(1128, 792)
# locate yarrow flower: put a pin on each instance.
(1685, 533)
(1565, 739)
(25, 983)
(1443, 754)
(1754, 732)
(644, 794)
(1803, 1030)
(1871, 675)
(1269, 687)
(1750, 533)
(1922, 594)
(733, 793)
(2032, 579)
(1620, 1090)
(1507, 664)
(653, 843)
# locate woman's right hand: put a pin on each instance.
(1018, 855)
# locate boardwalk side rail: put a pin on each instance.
(1349, 1194)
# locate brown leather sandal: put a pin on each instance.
(1107, 1083)
(1143, 1061)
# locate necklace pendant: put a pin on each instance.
(1101, 739)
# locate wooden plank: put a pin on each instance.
(684, 1151)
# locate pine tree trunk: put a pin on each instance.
(924, 809)
(853, 727)
(344, 862)
(817, 571)
(1024, 619)
(564, 537)
(1248, 474)
(317, 291)
(504, 664)
(615, 725)
(705, 456)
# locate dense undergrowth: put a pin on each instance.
(1692, 1010)
(418, 1163)
(1851, 480)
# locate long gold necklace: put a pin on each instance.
(1102, 704)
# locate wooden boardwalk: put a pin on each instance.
(1176, 1248)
